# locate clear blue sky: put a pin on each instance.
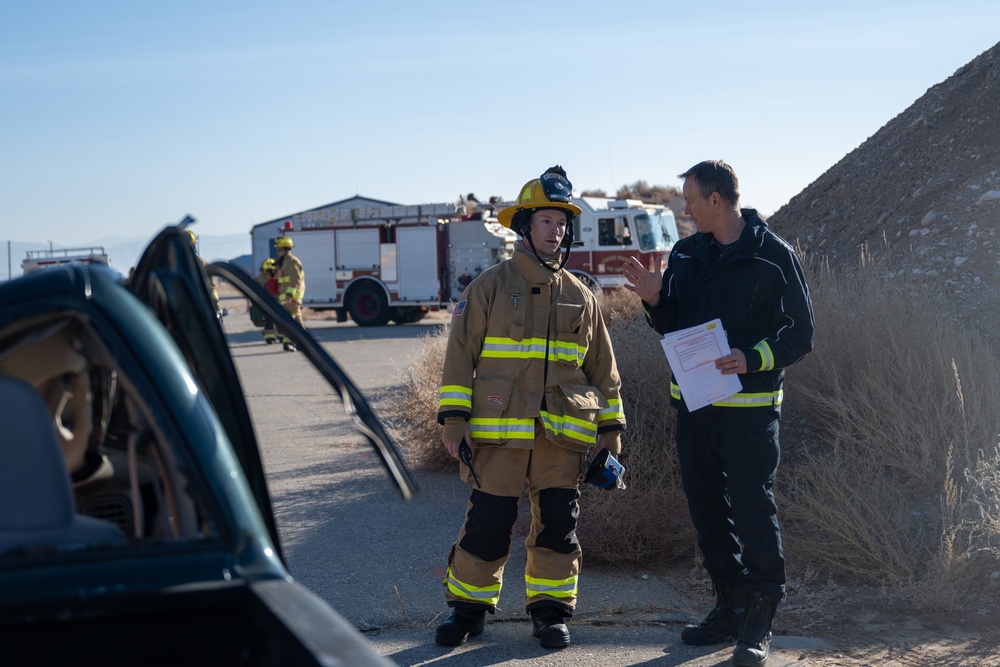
(118, 117)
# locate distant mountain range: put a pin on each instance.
(123, 251)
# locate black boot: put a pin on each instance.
(722, 623)
(755, 635)
(550, 627)
(462, 624)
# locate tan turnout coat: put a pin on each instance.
(527, 343)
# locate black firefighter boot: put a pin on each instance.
(755, 635)
(549, 625)
(462, 624)
(722, 623)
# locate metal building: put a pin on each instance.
(263, 234)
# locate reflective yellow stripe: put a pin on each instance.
(508, 348)
(766, 356)
(613, 411)
(571, 427)
(532, 348)
(488, 594)
(284, 279)
(502, 428)
(557, 588)
(761, 400)
(766, 399)
(567, 351)
(453, 394)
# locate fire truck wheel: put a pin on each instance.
(368, 305)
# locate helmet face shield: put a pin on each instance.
(556, 188)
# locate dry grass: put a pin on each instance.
(413, 420)
(893, 487)
(619, 304)
(647, 522)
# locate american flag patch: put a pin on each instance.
(459, 309)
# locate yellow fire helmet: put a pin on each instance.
(268, 264)
(194, 237)
(550, 190)
(284, 242)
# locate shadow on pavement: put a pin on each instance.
(332, 332)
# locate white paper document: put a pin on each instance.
(692, 353)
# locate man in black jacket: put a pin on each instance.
(735, 269)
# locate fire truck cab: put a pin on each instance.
(610, 231)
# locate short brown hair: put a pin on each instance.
(715, 176)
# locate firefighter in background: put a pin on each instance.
(291, 284)
(529, 387)
(211, 282)
(267, 278)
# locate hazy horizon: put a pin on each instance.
(123, 251)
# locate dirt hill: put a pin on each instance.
(926, 186)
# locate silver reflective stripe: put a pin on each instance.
(502, 428)
(558, 425)
(458, 588)
(766, 356)
(613, 411)
(539, 589)
(765, 399)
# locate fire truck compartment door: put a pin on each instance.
(315, 249)
(418, 265)
(357, 249)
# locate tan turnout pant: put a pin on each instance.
(476, 561)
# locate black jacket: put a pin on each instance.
(756, 287)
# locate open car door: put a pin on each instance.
(174, 282)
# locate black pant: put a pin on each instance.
(728, 459)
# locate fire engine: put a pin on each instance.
(41, 259)
(382, 263)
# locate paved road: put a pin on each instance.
(348, 535)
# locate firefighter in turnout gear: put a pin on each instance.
(268, 279)
(291, 284)
(529, 389)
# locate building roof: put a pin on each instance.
(336, 204)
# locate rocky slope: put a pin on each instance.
(924, 191)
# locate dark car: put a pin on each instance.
(135, 522)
